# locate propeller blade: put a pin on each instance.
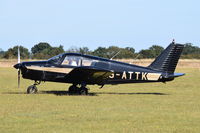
(18, 78)
(18, 55)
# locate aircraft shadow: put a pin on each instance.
(63, 93)
(58, 93)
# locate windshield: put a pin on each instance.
(56, 59)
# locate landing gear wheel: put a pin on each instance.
(32, 89)
(72, 89)
(83, 91)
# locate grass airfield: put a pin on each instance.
(173, 107)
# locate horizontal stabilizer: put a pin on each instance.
(174, 75)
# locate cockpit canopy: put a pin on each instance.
(77, 60)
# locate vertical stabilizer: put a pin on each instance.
(168, 59)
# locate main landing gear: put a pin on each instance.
(33, 89)
(74, 89)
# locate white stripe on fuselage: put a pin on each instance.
(153, 76)
(51, 69)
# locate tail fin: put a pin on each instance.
(168, 59)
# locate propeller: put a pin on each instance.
(18, 78)
(18, 56)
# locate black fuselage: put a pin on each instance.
(55, 70)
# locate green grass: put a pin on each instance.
(141, 108)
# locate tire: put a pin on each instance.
(72, 89)
(83, 91)
(32, 89)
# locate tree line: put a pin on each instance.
(44, 50)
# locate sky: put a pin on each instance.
(93, 23)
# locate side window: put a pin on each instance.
(96, 63)
(72, 61)
(88, 62)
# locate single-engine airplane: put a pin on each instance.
(81, 70)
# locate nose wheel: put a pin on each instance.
(33, 89)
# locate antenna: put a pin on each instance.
(115, 55)
(137, 56)
(173, 41)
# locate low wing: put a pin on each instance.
(89, 75)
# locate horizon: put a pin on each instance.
(88, 47)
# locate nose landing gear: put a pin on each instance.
(33, 89)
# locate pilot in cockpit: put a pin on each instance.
(72, 62)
